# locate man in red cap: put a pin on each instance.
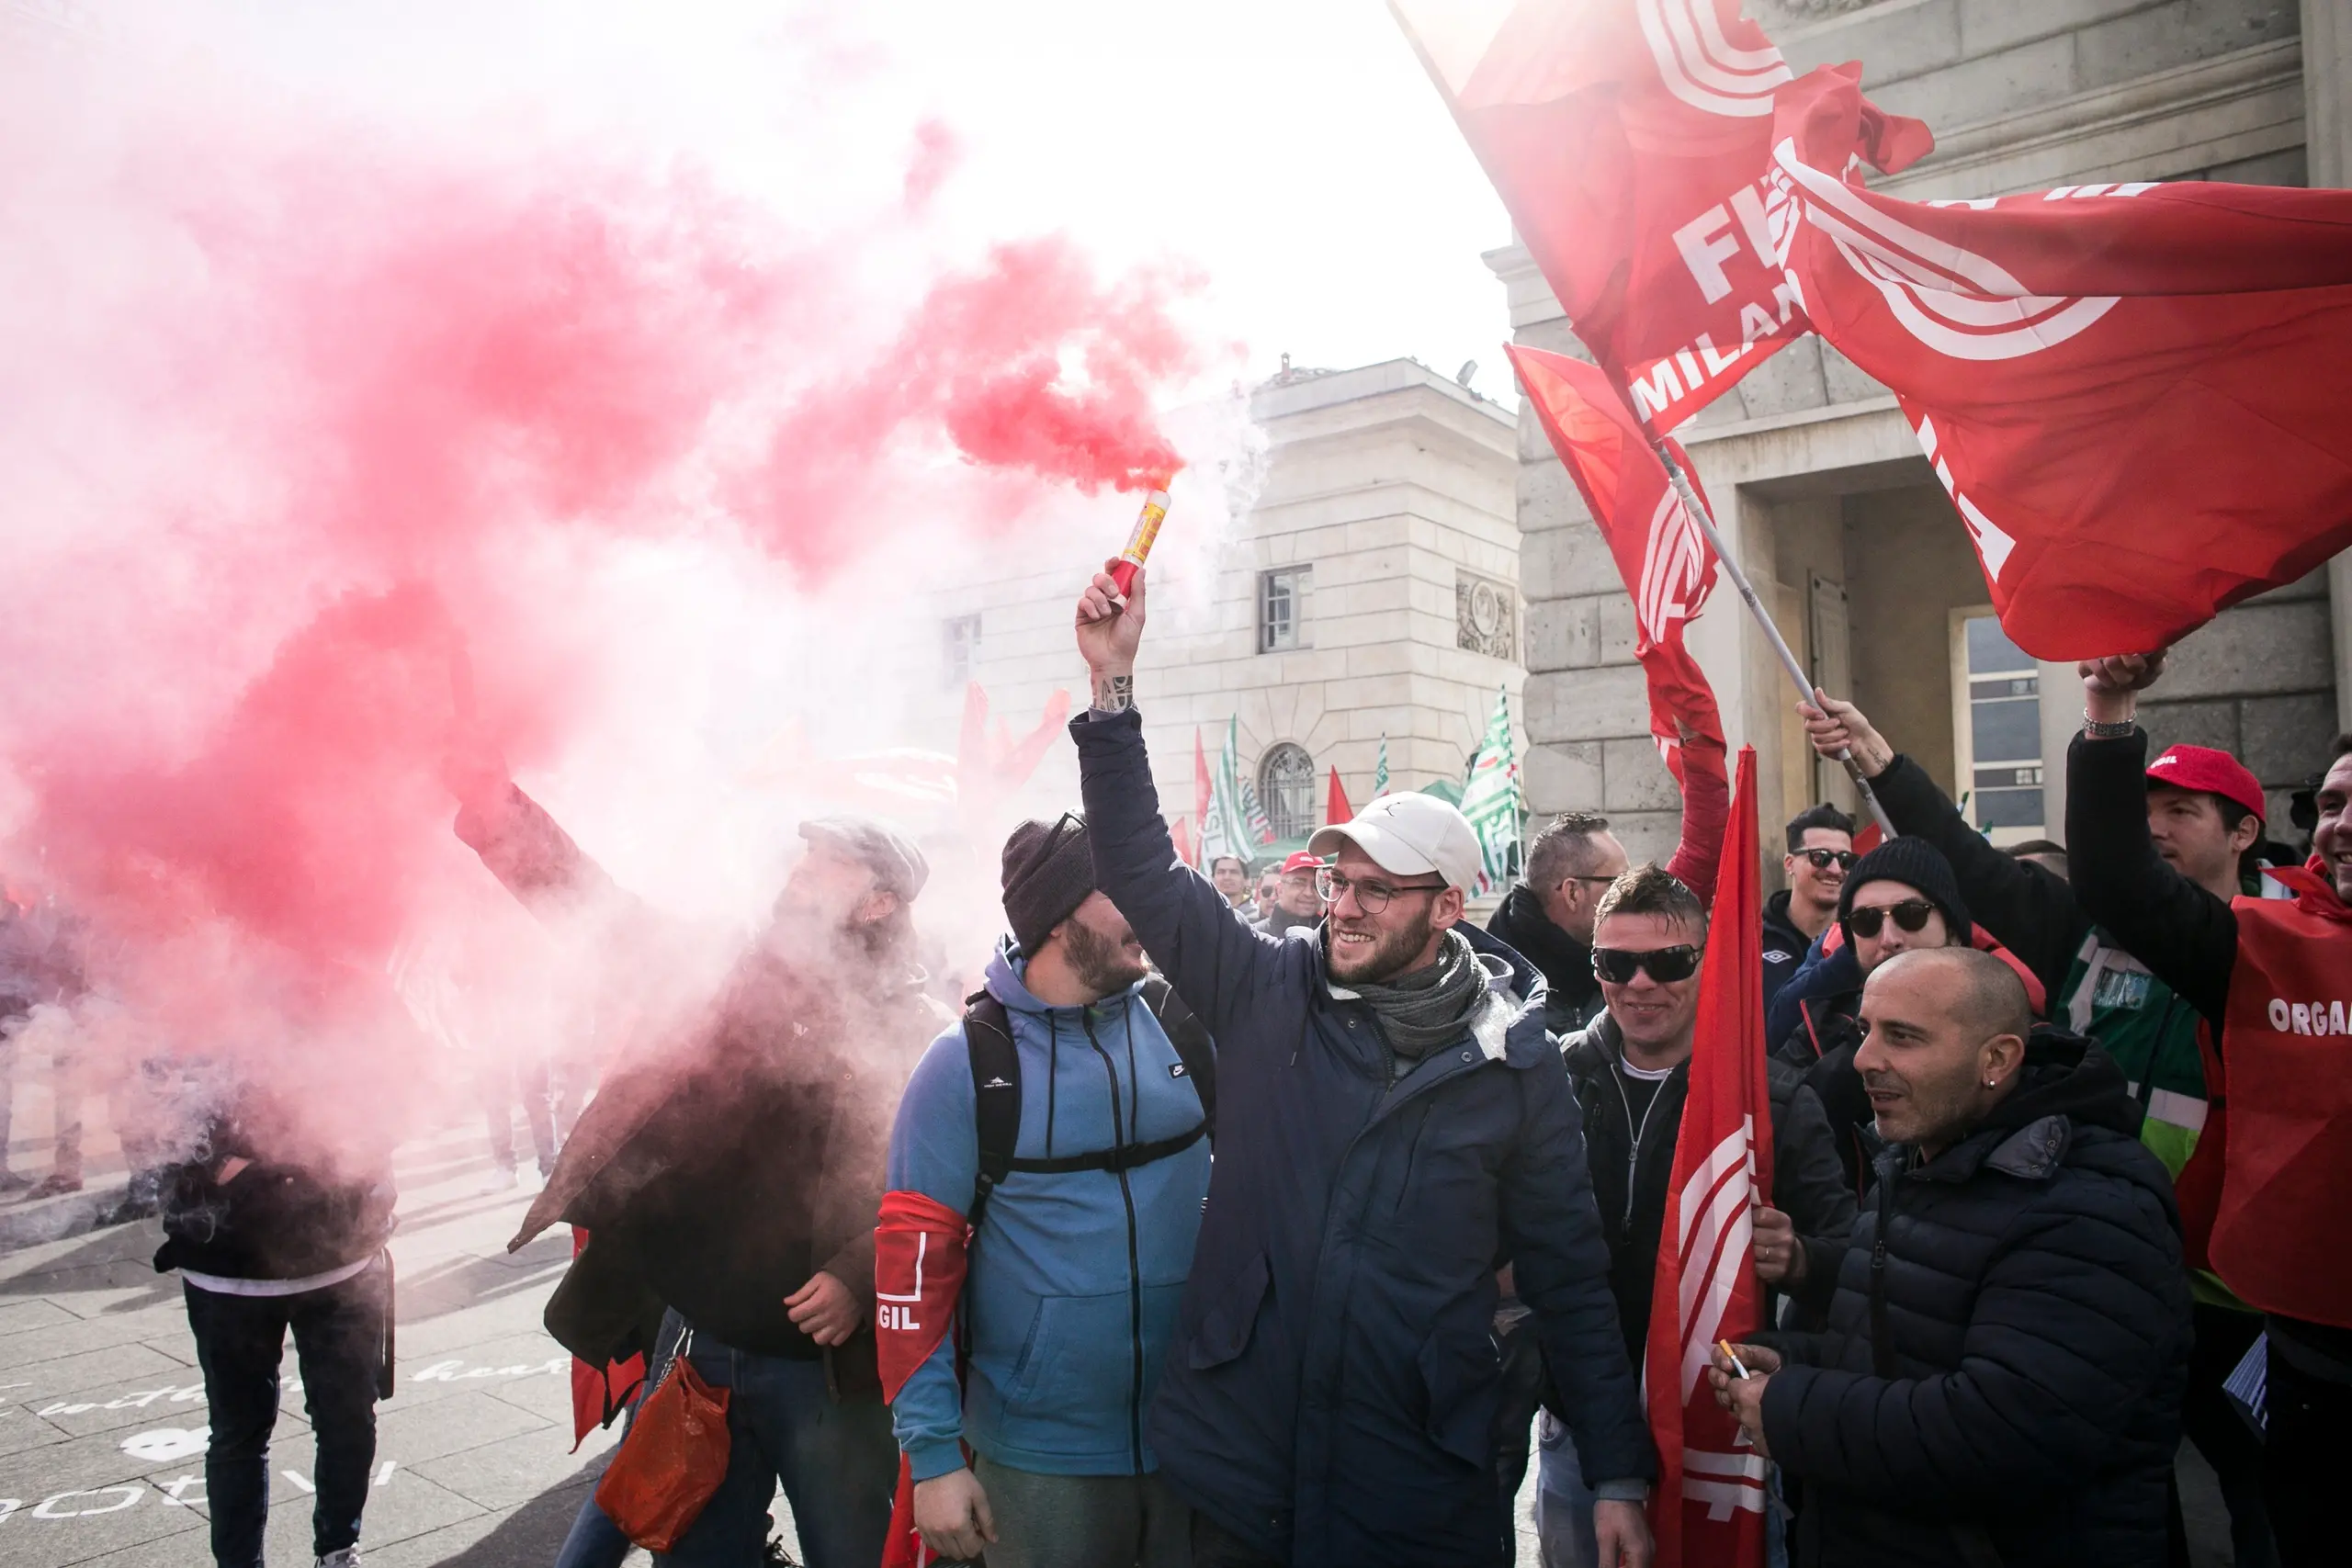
(1296, 903)
(2272, 979)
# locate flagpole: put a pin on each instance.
(1700, 515)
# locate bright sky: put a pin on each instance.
(1291, 149)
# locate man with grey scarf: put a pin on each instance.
(1392, 1127)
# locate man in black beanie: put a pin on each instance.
(1078, 1251)
(1899, 897)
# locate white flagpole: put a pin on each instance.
(1698, 514)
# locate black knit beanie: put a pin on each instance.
(1916, 863)
(1048, 872)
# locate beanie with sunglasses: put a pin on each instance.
(1916, 863)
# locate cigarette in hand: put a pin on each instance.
(1733, 1357)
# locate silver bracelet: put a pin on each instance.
(2103, 729)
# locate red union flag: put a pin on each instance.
(1660, 553)
(1630, 140)
(1710, 1507)
(2131, 391)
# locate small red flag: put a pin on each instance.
(2131, 391)
(1710, 1509)
(1182, 831)
(1660, 554)
(1629, 139)
(1336, 808)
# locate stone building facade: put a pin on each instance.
(1371, 591)
(1820, 485)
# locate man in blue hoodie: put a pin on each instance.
(1074, 1274)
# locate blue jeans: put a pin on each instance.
(838, 1464)
(339, 1344)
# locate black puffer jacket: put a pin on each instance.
(1632, 1159)
(2007, 1371)
(1571, 995)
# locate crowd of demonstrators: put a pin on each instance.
(2007, 1326)
(1296, 905)
(1547, 917)
(1820, 853)
(272, 1234)
(1392, 1126)
(2204, 814)
(1083, 1221)
(2271, 980)
(736, 1175)
(1630, 1069)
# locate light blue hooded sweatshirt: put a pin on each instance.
(1074, 1277)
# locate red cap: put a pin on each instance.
(2210, 771)
(1300, 862)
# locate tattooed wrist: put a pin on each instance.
(1113, 694)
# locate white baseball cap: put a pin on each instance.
(1412, 835)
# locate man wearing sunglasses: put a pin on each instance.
(1821, 851)
(1629, 1068)
(1393, 1126)
(2103, 991)
(1547, 917)
(1899, 897)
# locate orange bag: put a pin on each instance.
(673, 1460)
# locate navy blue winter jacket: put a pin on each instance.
(1332, 1388)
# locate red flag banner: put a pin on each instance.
(2129, 390)
(1336, 808)
(1660, 553)
(1630, 140)
(919, 1262)
(1710, 1509)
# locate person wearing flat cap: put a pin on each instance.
(1393, 1126)
(732, 1172)
(1078, 1256)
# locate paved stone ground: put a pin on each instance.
(101, 1434)
(102, 1408)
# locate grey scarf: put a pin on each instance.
(1423, 1009)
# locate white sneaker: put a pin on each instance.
(501, 1180)
(347, 1558)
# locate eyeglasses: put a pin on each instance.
(1824, 859)
(1370, 896)
(1911, 915)
(1666, 964)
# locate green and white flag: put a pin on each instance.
(1225, 830)
(1380, 770)
(1491, 799)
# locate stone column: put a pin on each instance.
(2327, 147)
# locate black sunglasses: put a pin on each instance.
(1911, 915)
(1666, 964)
(1824, 859)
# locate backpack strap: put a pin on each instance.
(996, 1094)
(1194, 1045)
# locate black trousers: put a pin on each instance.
(2306, 1454)
(339, 1345)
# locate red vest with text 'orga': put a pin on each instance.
(2280, 1239)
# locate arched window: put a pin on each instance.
(1286, 783)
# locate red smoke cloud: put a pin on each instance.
(312, 413)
